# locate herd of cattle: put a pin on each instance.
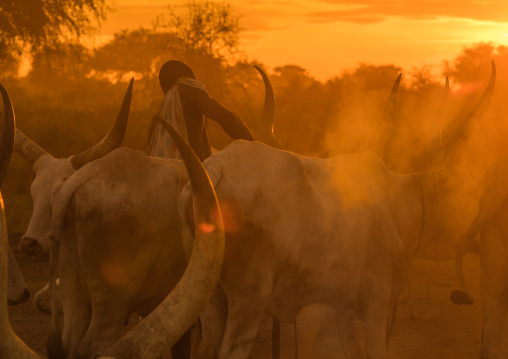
(253, 230)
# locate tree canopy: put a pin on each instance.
(35, 24)
(209, 26)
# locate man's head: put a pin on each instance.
(171, 71)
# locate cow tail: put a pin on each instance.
(463, 297)
(54, 344)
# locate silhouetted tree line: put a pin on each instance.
(71, 94)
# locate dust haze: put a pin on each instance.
(70, 96)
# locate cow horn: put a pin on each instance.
(113, 139)
(7, 135)
(444, 99)
(269, 104)
(265, 126)
(458, 130)
(388, 118)
(392, 99)
(440, 109)
(436, 147)
(172, 318)
(10, 345)
(27, 148)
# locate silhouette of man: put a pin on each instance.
(184, 106)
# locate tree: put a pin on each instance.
(473, 63)
(38, 24)
(140, 51)
(208, 26)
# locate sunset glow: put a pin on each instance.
(329, 36)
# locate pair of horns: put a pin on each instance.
(114, 138)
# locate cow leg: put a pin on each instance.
(401, 280)
(241, 329)
(76, 312)
(494, 282)
(410, 298)
(349, 333)
(182, 348)
(380, 293)
(494, 316)
(213, 325)
(106, 325)
(376, 327)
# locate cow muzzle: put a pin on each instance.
(30, 246)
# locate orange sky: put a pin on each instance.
(329, 36)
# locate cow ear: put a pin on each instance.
(460, 129)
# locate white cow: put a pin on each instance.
(340, 231)
(120, 249)
(179, 309)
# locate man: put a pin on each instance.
(184, 106)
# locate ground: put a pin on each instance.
(441, 329)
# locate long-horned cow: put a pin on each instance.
(491, 225)
(452, 192)
(171, 319)
(340, 231)
(120, 245)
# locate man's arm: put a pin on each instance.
(228, 120)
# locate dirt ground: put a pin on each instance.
(441, 329)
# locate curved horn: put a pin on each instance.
(10, 345)
(7, 135)
(265, 125)
(392, 99)
(458, 130)
(436, 145)
(389, 120)
(169, 321)
(444, 99)
(27, 148)
(113, 139)
(440, 109)
(269, 104)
